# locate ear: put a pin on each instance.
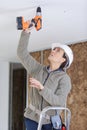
(63, 60)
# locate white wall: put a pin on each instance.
(4, 95)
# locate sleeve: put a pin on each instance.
(30, 64)
(60, 96)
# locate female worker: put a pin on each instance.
(49, 85)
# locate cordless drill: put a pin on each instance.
(36, 21)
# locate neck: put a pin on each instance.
(54, 67)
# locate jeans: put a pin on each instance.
(32, 125)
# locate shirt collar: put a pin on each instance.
(48, 69)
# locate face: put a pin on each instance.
(56, 55)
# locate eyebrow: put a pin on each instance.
(57, 48)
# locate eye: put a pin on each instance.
(54, 48)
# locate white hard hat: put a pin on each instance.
(67, 50)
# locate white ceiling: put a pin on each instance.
(63, 21)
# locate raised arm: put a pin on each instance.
(30, 64)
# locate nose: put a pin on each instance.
(53, 52)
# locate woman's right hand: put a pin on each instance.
(28, 30)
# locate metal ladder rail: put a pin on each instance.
(55, 108)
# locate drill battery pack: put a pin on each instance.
(19, 23)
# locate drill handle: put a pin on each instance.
(32, 23)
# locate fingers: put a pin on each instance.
(35, 83)
(29, 29)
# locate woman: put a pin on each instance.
(50, 85)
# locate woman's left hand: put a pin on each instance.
(35, 83)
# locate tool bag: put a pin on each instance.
(56, 122)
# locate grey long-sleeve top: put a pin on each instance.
(57, 84)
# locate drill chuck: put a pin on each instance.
(38, 10)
